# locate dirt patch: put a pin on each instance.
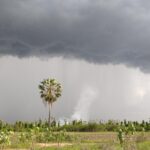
(53, 144)
(15, 149)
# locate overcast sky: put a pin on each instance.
(99, 50)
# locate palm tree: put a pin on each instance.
(50, 90)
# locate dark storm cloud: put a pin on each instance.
(101, 31)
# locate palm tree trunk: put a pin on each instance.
(49, 115)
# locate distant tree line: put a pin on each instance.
(77, 126)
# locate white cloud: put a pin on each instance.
(82, 109)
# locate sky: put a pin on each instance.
(97, 49)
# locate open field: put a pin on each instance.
(110, 135)
(81, 141)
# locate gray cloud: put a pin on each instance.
(112, 31)
(90, 92)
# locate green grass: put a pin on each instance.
(144, 145)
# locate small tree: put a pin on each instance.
(50, 91)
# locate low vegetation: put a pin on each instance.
(76, 135)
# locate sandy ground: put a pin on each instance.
(53, 144)
(45, 145)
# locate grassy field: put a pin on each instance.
(76, 135)
(82, 141)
